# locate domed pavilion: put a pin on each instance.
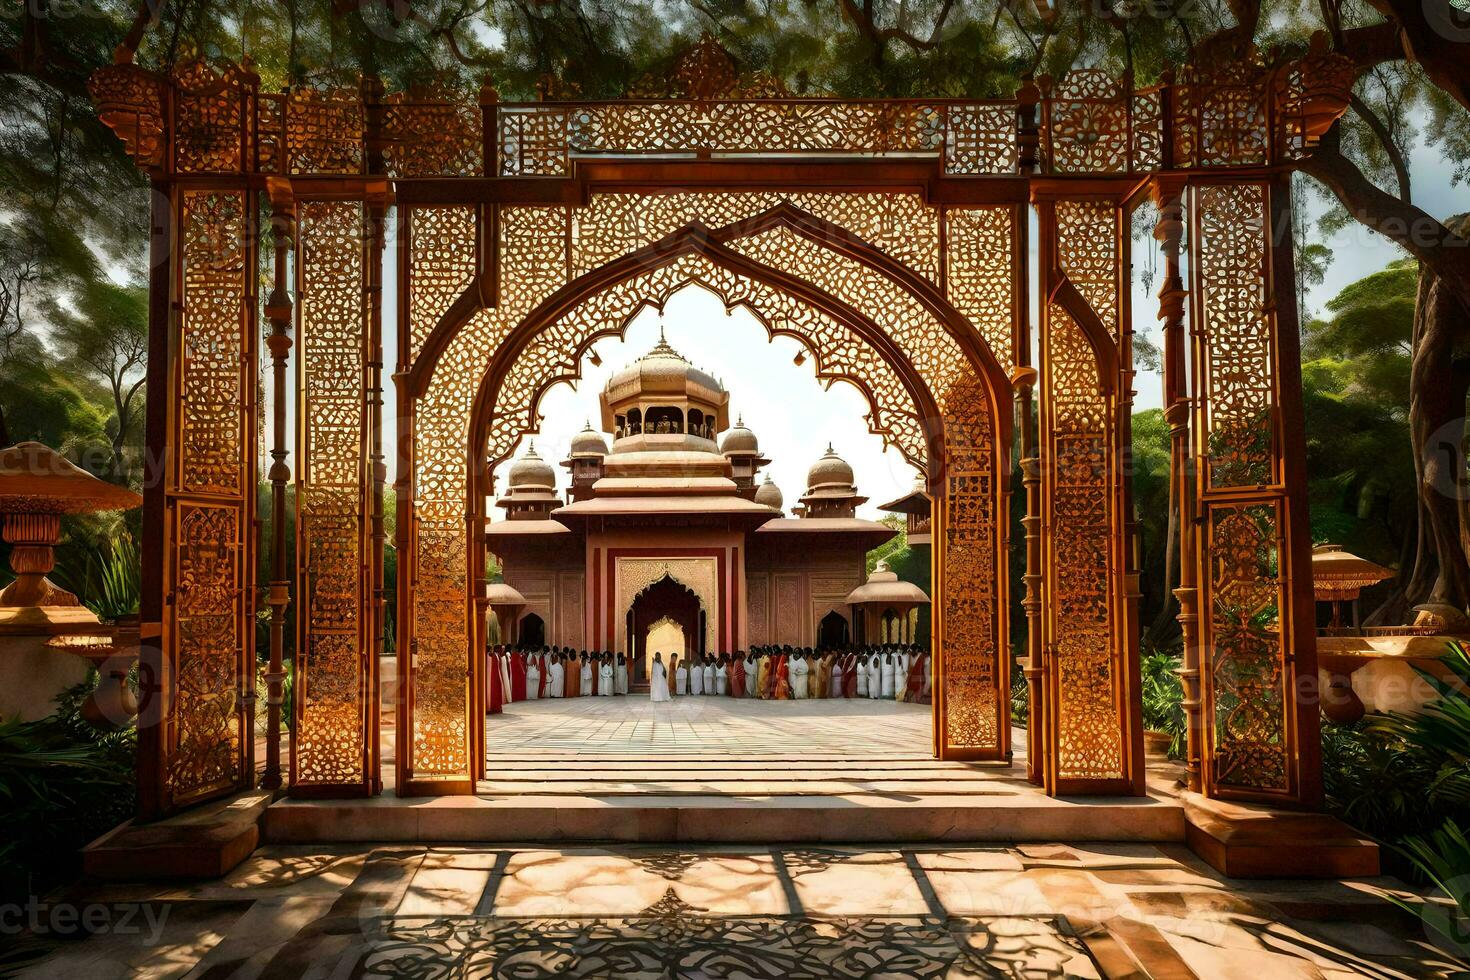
(669, 520)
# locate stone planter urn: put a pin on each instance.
(48, 639)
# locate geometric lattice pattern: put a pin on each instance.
(1246, 680)
(211, 502)
(332, 485)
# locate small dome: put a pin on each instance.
(532, 471)
(831, 472)
(740, 440)
(769, 494)
(588, 442)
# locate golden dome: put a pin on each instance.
(588, 442)
(662, 369)
(769, 494)
(740, 440)
(532, 471)
(832, 474)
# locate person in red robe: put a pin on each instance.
(737, 675)
(494, 697)
(916, 677)
(783, 678)
(849, 676)
(517, 676)
(545, 676)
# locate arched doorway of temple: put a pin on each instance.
(533, 631)
(667, 601)
(832, 631)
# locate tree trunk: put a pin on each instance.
(1438, 384)
(1165, 627)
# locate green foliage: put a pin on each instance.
(62, 784)
(1396, 775)
(1163, 699)
(106, 577)
(1151, 505)
(1442, 857)
(1355, 380)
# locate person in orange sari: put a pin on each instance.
(783, 679)
(916, 676)
(824, 679)
(737, 675)
(765, 680)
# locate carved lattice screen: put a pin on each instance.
(335, 582)
(1255, 633)
(207, 669)
(1090, 654)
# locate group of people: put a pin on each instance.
(893, 672)
(521, 674)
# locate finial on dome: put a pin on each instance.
(830, 450)
(531, 449)
(739, 420)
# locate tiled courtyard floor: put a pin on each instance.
(1023, 911)
(859, 727)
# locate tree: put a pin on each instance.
(1355, 385)
(106, 337)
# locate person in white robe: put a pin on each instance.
(861, 668)
(834, 689)
(752, 676)
(585, 675)
(900, 675)
(658, 680)
(709, 675)
(798, 670)
(875, 677)
(722, 678)
(557, 683)
(605, 678)
(620, 680)
(504, 660)
(681, 676)
(696, 677)
(886, 676)
(533, 677)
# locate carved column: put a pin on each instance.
(1177, 410)
(376, 216)
(278, 310)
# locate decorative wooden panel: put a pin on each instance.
(1090, 651)
(1254, 628)
(206, 676)
(331, 696)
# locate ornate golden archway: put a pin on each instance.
(905, 222)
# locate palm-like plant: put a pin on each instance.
(1443, 857)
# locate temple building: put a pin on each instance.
(672, 528)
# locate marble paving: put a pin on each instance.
(710, 726)
(1098, 910)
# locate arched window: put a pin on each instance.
(635, 422)
(696, 422)
(532, 631)
(664, 420)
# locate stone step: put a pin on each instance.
(686, 818)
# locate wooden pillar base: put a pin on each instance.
(1253, 841)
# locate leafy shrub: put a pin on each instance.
(62, 784)
(1163, 699)
(1443, 858)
